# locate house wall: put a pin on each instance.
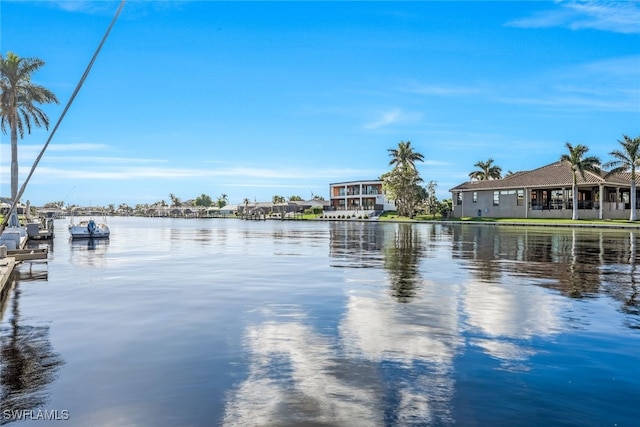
(484, 205)
(508, 208)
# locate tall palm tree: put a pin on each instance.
(626, 160)
(486, 170)
(246, 202)
(18, 109)
(404, 157)
(222, 201)
(277, 199)
(402, 182)
(175, 200)
(579, 164)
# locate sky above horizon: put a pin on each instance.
(256, 99)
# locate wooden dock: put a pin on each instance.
(28, 254)
(10, 258)
(6, 268)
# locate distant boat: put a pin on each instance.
(89, 229)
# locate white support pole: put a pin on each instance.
(600, 209)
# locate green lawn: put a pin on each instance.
(393, 216)
(549, 221)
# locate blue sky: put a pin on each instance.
(256, 99)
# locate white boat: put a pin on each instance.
(89, 229)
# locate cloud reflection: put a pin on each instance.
(508, 314)
(295, 378)
(393, 361)
(390, 363)
(417, 344)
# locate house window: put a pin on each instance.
(459, 198)
(496, 198)
(520, 200)
(339, 191)
(372, 190)
(475, 197)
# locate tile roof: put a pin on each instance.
(558, 174)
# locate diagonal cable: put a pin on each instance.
(64, 112)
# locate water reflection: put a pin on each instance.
(89, 252)
(356, 245)
(394, 358)
(391, 363)
(356, 323)
(199, 235)
(396, 248)
(620, 281)
(578, 263)
(401, 261)
(414, 346)
(297, 378)
(569, 260)
(506, 318)
(383, 370)
(28, 363)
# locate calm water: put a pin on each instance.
(242, 323)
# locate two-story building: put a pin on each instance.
(359, 196)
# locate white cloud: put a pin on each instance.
(385, 119)
(86, 6)
(119, 173)
(30, 151)
(107, 7)
(441, 90)
(391, 117)
(618, 17)
(436, 163)
(83, 146)
(607, 85)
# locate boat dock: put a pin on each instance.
(13, 252)
(7, 265)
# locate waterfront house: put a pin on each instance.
(359, 196)
(545, 192)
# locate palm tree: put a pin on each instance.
(579, 164)
(404, 156)
(17, 104)
(246, 202)
(626, 160)
(401, 183)
(175, 200)
(222, 201)
(486, 171)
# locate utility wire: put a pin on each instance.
(64, 112)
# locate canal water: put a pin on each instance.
(207, 322)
